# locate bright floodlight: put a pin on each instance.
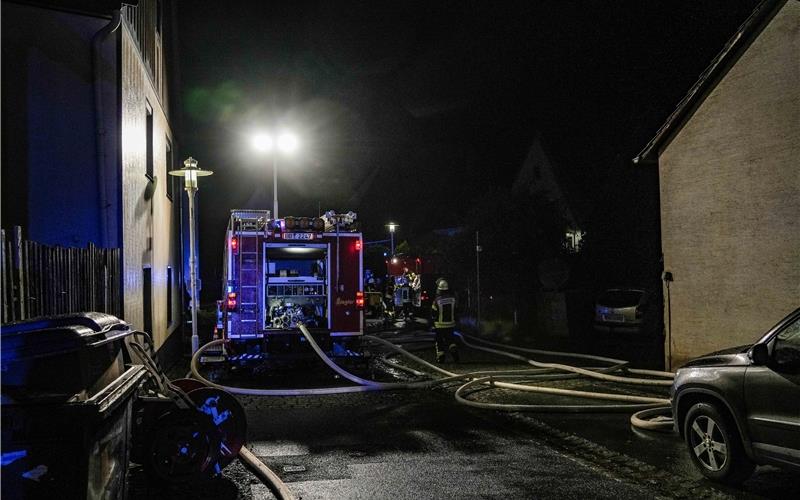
(263, 142)
(287, 142)
(392, 226)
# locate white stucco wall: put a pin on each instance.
(145, 217)
(730, 200)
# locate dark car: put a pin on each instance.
(621, 310)
(741, 407)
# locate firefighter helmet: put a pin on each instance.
(441, 285)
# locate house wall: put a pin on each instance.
(49, 133)
(148, 215)
(730, 201)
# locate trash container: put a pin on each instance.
(66, 407)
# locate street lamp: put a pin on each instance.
(392, 226)
(190, 173)
(287, 143)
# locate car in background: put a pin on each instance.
(621, 309)
(741, 407)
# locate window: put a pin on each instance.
(170, 178)
(149, 141)
(620, 298)
(786, 352)
(147, 300)
(169, 296)
(572, 240)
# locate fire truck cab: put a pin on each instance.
(280, 273)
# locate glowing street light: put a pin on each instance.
(190, 172)
(392, 227)
(263, 142)
(286, 143)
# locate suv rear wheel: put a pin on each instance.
(714, 444)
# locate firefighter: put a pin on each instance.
(443, 320)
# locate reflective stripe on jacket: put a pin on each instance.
(444, 314)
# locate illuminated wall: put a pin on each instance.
(51, 185)
(147, 212)
(53, 171)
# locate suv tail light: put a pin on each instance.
(359, 300)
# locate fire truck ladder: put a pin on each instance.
(247, 227)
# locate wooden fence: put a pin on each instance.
(40, 280)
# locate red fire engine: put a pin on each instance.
(280, 273)
(414, 278)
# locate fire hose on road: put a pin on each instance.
(652, 406)
(645, 407)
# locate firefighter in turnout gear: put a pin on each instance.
(443, 320)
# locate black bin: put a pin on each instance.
(66, 407)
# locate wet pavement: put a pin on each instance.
(413, 445)
(423, 444)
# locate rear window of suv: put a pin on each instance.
(620, 298)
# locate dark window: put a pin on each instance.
(169, 296)
(147, 299)
(149, 140)
(787, 346)
(170, 178)
(620, 298)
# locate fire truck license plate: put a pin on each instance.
(298, 236)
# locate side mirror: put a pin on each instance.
(759, 354)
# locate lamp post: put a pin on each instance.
(478, 250)
(190, 172)
(287, 143)
(392, 226)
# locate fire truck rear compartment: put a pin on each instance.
(295, 288)
(279, 276)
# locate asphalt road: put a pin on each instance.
(413, 445)
(423, 444)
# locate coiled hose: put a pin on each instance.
(645, 406)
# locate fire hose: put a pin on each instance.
(650, 405)
(645, 407)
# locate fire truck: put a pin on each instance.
(280, 273)
(414, 278)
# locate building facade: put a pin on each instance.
(88, 141)
(729, 171)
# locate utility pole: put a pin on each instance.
(392, 227)
(478, 277)
(275, 185)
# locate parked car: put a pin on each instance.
(621, 309)
(741, 407)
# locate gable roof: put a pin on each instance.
(538, 175)
(709, 78)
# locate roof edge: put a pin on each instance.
(709, 78)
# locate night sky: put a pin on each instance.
(409, 111)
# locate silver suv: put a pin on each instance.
(621, 310)
(741, 407)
